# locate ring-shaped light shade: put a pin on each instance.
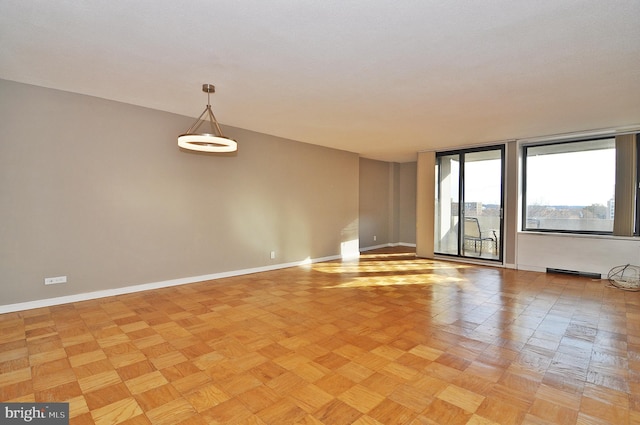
(214, 141)
(206, 143)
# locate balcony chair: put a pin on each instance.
(473, 233)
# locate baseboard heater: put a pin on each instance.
(575, 273)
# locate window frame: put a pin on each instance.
(637, 211)
(524, 226)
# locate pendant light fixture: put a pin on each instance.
(214, 141)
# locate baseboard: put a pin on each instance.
(48, 302)
(372, 247)
(531, 268)
(386, 245)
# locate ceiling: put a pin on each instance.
(384, 79)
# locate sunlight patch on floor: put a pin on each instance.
(424, 279)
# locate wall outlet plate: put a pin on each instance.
(55, 280)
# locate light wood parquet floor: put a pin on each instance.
(388, 339)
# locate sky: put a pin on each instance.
(589, 178)
(578, 178)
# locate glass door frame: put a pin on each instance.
(461, 153)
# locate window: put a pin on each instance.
(570, 186)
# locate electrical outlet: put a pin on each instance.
(375, 238)
(273, 255)
(55, 280)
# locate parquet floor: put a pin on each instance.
(388, 339)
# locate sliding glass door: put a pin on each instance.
(469, 203)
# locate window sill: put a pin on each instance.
(579, 235)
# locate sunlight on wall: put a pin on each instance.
(350, 245)
(350, 249)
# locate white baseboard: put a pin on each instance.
(48, 302)
(386, 245)
(372, 247)
(531, 268)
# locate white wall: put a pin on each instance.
(583, 253)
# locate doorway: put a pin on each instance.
(469, 203)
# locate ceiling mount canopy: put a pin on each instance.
(214, 141)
